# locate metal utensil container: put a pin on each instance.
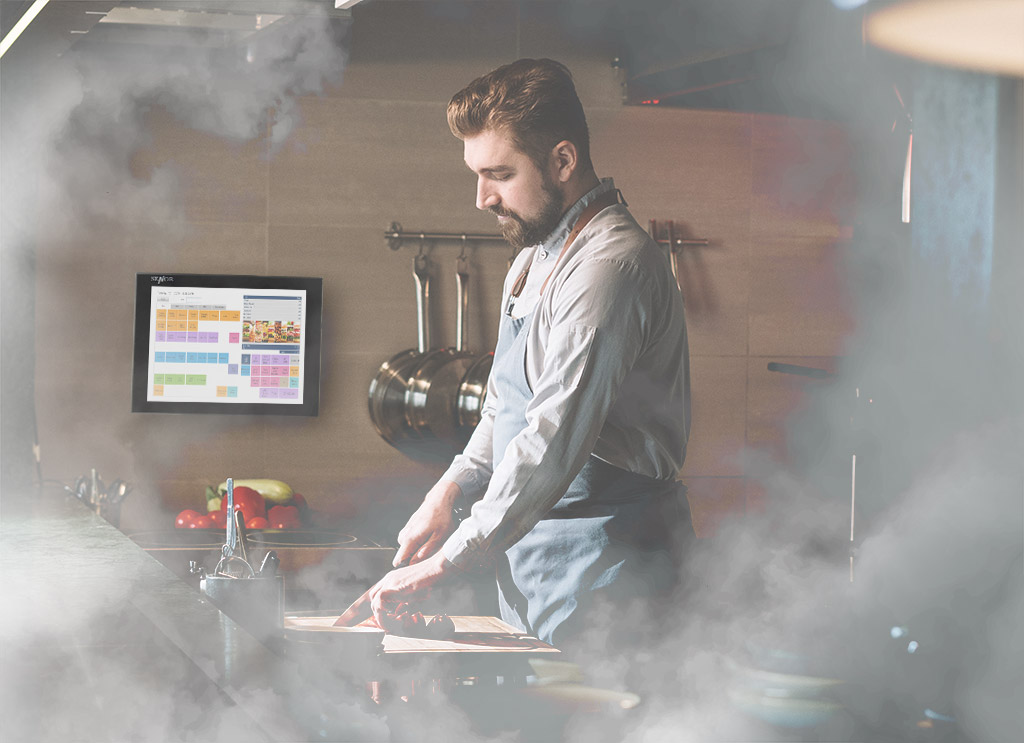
(257, 604)
(254, 600)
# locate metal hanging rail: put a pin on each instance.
(395, 235)
(680, 242)
(675, 244)
(671, 239)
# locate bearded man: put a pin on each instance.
(572, 470)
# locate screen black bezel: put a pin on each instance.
(310, 405)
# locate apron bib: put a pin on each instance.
(606, 544)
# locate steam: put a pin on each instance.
(938, 546)
(74, 178)
(71, 179)
(928, 399)
(238, 94)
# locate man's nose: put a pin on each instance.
(485, 195)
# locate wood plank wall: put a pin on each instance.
(768, 192)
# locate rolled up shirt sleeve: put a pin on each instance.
(599, 321)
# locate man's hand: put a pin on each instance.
(429, 526)
(405, 585)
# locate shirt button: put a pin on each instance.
(542, 254)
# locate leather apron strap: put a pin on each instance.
(592, 210)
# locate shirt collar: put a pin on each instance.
(554, 241)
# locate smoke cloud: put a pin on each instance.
(80, 660)
(237, 93)
(925, 398)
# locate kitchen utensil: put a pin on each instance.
(232, 563)
(117, 491)
(242, 550)
(232, 533)
(102, 499)
(359, 609)
(431, 396)
(270, 564)
(469, 402)
(387, 396)
(673, 256)
(255, 603)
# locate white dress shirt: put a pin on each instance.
(608, 363)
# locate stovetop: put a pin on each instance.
(191, 539)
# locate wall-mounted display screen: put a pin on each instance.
(212, 343)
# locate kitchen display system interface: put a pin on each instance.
(227, 344)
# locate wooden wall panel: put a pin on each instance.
(767, 192)
(718, 429)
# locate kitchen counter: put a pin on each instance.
(101, 642)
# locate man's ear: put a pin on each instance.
(564, 160)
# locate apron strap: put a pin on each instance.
(595, 206)
(591, 211)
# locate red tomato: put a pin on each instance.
(305, 515)
(185, 518)
(284, 517)
(248, 500)
(257, 522)
(201, 522)
(219, 518)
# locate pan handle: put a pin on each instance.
(421, 273)
(673, 257)
(462, 304)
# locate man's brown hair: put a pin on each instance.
(534, 101)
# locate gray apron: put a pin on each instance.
(606, 544)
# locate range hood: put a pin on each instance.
(201, 23)
(735, 54)
(51, 27)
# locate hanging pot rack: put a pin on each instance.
(395, 236)
(670, 238)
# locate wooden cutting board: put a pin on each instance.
(473, 634)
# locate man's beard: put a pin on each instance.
(520, 232)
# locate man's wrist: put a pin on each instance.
(443, 495)
(442, 565)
